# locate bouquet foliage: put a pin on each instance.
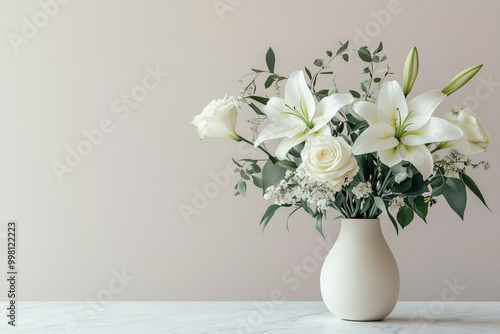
(364, 152)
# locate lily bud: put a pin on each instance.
(461, 79)
(410, 71)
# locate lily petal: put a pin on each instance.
(287, 143)
(328, 107)
(391, 99)
(367, 110)
(280, 129)
(274, 108)
(390, 157)
(435, 130)
(376, 137)
(422, 107)
(298, 95)
(420, 157)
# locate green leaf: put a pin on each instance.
(270, 60)
(418, 185)
(268, 215)
(376, 80)
(473, 187)
(379, 202)
(455, 194)
(293, 152)
(342, 48)
(257, 71)
(242, 188)
(272, 175)
(364, 88)
(308, 73)
(256, 109)
(269, 81)
(307, 208)
(421, 207)
(319, 62)
(355, 94)
(329, 53)
(299, 207)
(405, 216)
(257, 181)
(345, 56)
(256, 168)
(260, 99)
(287, 164)
(364, 54)
(333, 88)
(378, 48)
(437, 184)
(244, 176)
(236, 163)
(319, 223)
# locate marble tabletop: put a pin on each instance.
(245, 318)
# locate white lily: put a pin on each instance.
(297, 118)
(399, 130)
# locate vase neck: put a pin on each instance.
(360, 227)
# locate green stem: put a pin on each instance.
(339, 210)
(272, 158)
(384, 184)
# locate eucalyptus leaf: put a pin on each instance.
(343, 47)
(269, 81)
(272, 175)
(268, 215)
(319, 62)
(242, 188)
(270, 60)
(256, 109)
(355, 94)
(364, 54)
(257, 181)
(287, 164)
(308, 73)
(319, 224)
(260, 99)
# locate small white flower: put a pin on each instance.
(362, 190)
(395, 204)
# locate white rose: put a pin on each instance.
(218, 119)
(476, 138)
(329, 160)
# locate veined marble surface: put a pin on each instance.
(245, 318)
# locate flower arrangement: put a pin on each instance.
(362, 153)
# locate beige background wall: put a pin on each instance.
(119, 209)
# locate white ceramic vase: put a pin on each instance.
(360, 277)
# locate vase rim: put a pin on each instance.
(360, 219)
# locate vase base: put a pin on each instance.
(355, 320)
